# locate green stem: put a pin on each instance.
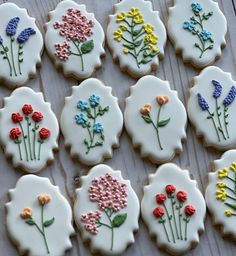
(12, 55)
(173, 213)
(19, 66)
(135, 53)
(34, 143)
(164, 226)
(213, 121)
(112, 229)
(127, 41)
(29, 142)
(180, 226)
(139, 35)
(127, 23)
(23, 134)
(218, 118)
(20, 151)
(80, 53)
(230, 179)
(40, 144)
(186, 224)
(44, 236)
(7, 58)
(231, 189)
(91, 135)
(231, 197)
(169, 220)
(225, 122)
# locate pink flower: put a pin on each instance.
(91, 220)
(62, 51)
(108, 192)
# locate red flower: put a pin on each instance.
(37, 117)
(27, 109)
(16, 117)
(170, 189)
(44, 133)
(158, 212)
(160, 198)
(182, 196)
(189, 210)
(15, 133)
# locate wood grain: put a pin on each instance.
(65, 173)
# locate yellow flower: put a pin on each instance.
(153, 47)
(118, 35)
(148, 28)
(120, 17)
(221, 185)
(153, 38)
(138, 19)
(223, 173)
(233, 167)
(123, 27)
(147, 39)
(221, 194)
(125, 51)
(133, 12)
(228, 213)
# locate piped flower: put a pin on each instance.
(44, 199)
(94, 100)
(118, 35)
(25, 35)
(37, 117)
(233, 167)
(12, 26)
(230, 97)
(205, 35)
(162, 100)
(27, 109)
(15, 134)
(146, 109)
(170, 189)
(182, 196)
(120, 17)
(221, 194)
(189, 25)
(148, 28)
(82, 105)
(26, 213)
(228, 213)
(160, 198)
(221, 185)
(189, 210)
(16, 117)
(98, 128)
(202, 102)
(196, 7)
(158, 212)
(218, 89)
(222, 173)
(81, 118)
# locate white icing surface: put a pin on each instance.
(72, 67)
(123, 235)
(143, 134)
(184, 40)
(32, 49)
(127, 62)
(165, 175)
(217, 207)
(112, 122)
(27, 237)
(204, 127)
(14, 104)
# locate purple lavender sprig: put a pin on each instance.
(218, 89)
(12, 26)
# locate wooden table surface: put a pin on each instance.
(65, 173)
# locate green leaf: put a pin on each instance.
(147, 119)
(232, 206)
(98, 143)
(145, 60)
(106, 109)
(136, 32)
(129, 46)
(163, 122)
(48, 223)
(153, 54)
(85, 142)
(30, 222)
(138, 43)
(87, 47)
(21, 60)
(2, 52)
(145, 54)
(118, 220)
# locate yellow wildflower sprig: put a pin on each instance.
(139, 39)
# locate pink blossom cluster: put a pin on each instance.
(62, 51)
(90, 220)
(108, 192)
(75, 26)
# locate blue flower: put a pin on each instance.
(81, 118)
(98, 128)
(190, 25)
(230, 97)
(202, 102)
(196, 7)
(82, 105)
(218, 89)
(1, 40)
(12, 26)
(94, 100)
(205, 35)
(25, 34)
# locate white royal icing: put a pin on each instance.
(127, 61)
(170, 174)
(181, 29)
(38, 156)
(72, 65)
(124, 227)
(18, 65)
(223, 215)
(142, 132)
(104, 130)
(211, 82)
(27, 237)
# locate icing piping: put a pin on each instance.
(92, 110)
(139, 41)
(76, 29)
(174, 223)
(9, 54)
(217, 123)
(195, 26)
(111, 196)
(146, 110)
(28, 135)
(27, 214)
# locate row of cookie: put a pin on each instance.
(92, 121)
(136, 36)
(106, 209)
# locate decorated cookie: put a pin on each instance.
(74, 39)
(151, 114)
(211, 108)
(106, 210)
(21, 45)
(39, 219)
(221, 193)
(173, 209)
(29, 130)
(197, 30)
(91, 122)
(136, 37)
